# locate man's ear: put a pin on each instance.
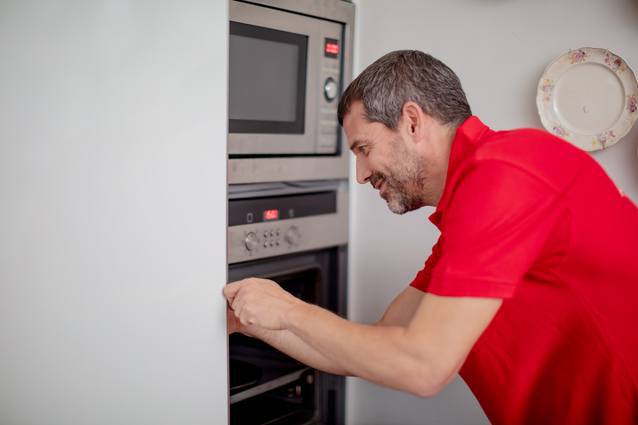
(414, 118)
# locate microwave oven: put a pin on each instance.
(287, 66)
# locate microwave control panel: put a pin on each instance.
(330, 80)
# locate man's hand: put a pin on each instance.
(233, 324)
(259, 302)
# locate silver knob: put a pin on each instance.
(330, 89)
(292, 235)
(251, 241)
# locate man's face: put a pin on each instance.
(388, 160)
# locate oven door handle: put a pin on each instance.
(292, 271)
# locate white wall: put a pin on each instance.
(112, 212)
(499, 49)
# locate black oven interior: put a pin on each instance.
(267, 386)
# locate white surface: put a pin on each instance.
(585, 89)
(588, 97)
(112, 218)
(499, 49)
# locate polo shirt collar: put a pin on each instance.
(464, 143)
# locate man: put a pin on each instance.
(530, 291)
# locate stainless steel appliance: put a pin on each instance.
(288, 62)
(295, 234)
(288, 197)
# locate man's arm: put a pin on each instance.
(420, 357)
(288, 343)
(401, 311)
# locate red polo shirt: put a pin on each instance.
(529, 218)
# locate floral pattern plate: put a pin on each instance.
(588, 96)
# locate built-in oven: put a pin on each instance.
(296, 235)
(287, 64)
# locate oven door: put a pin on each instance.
(268, 387)
(276, 72)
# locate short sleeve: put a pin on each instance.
(497, 222)
(422, 279)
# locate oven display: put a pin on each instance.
(271, 215)
(271, 208)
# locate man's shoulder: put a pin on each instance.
(536, 152)
(526, 144)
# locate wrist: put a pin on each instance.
(244, 330)
(294, 314)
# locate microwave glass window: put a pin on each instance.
(267, 80)
(254, 98)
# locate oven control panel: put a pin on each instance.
(272, 238)
(278, 225)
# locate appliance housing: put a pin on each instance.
(288, 191)
(288, 61)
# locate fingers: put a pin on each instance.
(237, 306)
(231, 289)
(232, 324)
(240, 310)
(233, 294)
(243, 316)
(256, 301)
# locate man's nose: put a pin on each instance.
(363, 172)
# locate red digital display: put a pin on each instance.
(271, 215)
(332, 48)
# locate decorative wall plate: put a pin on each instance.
(588, 96)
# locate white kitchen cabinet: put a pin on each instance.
(112, 212)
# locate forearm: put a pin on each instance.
(381, 354)
(290, 344)
(419, 356)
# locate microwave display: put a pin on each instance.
(272, 100)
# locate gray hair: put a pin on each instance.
(402, 76)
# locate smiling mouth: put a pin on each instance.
(378, 184)
(382, 189)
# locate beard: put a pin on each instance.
(404, 185)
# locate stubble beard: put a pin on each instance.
(405, 185)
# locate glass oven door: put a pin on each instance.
(266, 386)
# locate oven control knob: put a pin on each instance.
(330, 89)
(293, 235)
(251, 241)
